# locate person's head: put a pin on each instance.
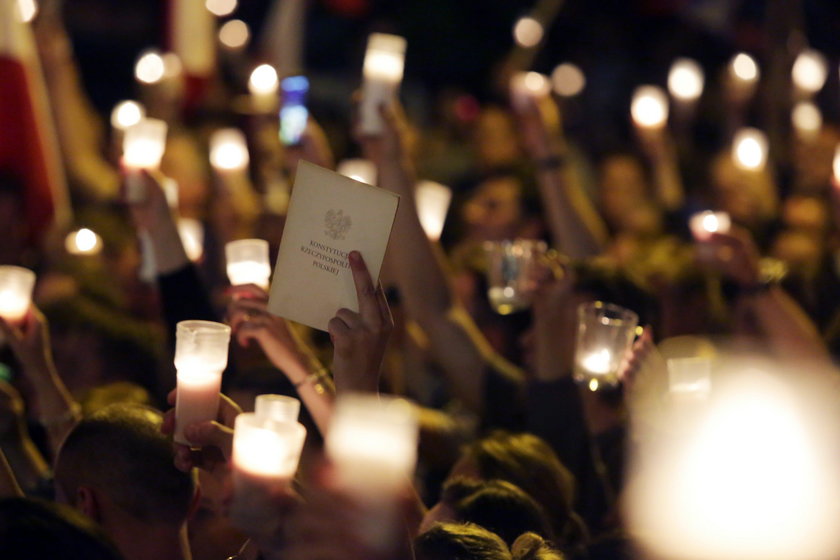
(447, 541)
(496, 505)
(116, 467)
(502, 205)
(623, 187)
(528, 462)
(44, 531)
(750, 197)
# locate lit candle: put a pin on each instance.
(690, 378)
(649, 107)
(809, 72)
(277, 408)
(605, 333)
(201, 353)
(149, 68)
(528, 32)
(83, 242)
(526, 87)
(143, 147)
(234, 34)
(361, 170)
(383, 71)
(836, 166)
(221, 8)
(749, 149)
(685, 80)
(228, 150)
(432, 200)
(16, 286)
(743, 75)
(127, 113)
(248, 262)
(267, 449)
(264, 85)
(191, 232)
(28, 10)
(567, 80)
(703, 224)
(806, 119)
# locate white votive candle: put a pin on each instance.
(248, 262)
(383, 71)
(201, 354)
(143, 147)
(16, 284)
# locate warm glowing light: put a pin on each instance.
(605, 333)
(172, 66)
(361, 170)
(149, 68)
(807, 119)
(690, 377)
(220, 8)
(432, 200)
(528, 32)
(16, 286)
(266, 448)
(263, 79)
(277, 408)
(385, 57)
(704, 223)
(749, 149)
(126, 114)
(144, 144)
(599, 362)
(247, 262)
(810, 71)
(649, 107)
(28, 10)
(836, 165)
(685, 80)
(744, 68)
(751, 475)
(191, 232)
(234, 34)
(228, 150)
(568, 80)
(83, 242)
(525, 86)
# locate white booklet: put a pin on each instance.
(329, 215)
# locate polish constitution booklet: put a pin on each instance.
(329, 215)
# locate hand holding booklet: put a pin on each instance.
(329, 215)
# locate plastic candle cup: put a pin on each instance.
(201, 353)
(228, 150)
(511, 273)
(362, 170)
(649, 107)
(525, 87)
(703, 224)
(264, 86)
(143, 147)
(689, 378)
(605, 333)
(432, 201)
(191, 232)
(16, 284)
(383, 71)
(247, 262)
(277, 408)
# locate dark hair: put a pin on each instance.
(453, 541)
(120, 451)
(529, 462)
(496, 505)
(530, 546)
(39, 530)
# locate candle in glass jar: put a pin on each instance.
(201, 354)
(383, 71)
(16, 284)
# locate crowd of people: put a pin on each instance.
(515, 458)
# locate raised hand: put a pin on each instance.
(360, 339)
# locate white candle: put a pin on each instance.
(703, 224)
(383, 71)
(248, 262)
(83, 242)
(234, 34)
(432, 200)
(28, 10)
(201, 354)
(267, 449)
(742, 77)
(149, 68)
(277, 408)
(143, 146)
(361, 170)
(749, 149)
(221, 8)
(649, 107)
(528, 32)
(191, 232)
(127, 113)
(597, 365)
(809, 72)
(685, 80)
(525, 87)
(836, 166)
(16, 284)
(229, 150)
(568, 80)
(264, 85)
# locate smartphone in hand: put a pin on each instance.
(293, 112)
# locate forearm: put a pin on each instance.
(58, 411)
(315, 389)
(25, 462)
(8, 485)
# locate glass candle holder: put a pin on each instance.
(690, 378)
(277, 408)
(201, 354)
(16, 285)
(248, 262)
(605, 333)
(511, 268)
